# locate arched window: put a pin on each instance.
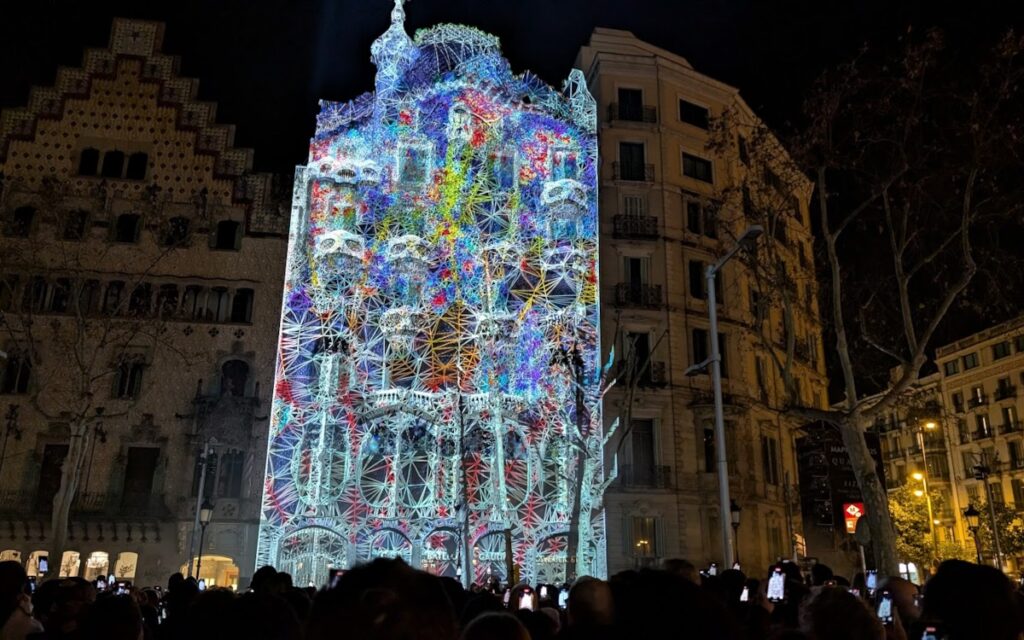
(69, 564)
(88, 162)
(126, 229)
(74, 224)
(124, 568)
(218, 303)
(88, 296)
(113, 164)
(141, 299)
(241, 306)
(229, 236)
(176, 232)
(167, 300)
(229, 474)
(16, 373)
(137, 164)
(19, 224)
(10, 554)
(97, 565)
(233, 378)
(112, 297)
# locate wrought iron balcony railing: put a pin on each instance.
(633, 171)
(632, 113)
(635, 227)
(645, 476)
(638, 295)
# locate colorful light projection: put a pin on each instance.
(441, 303)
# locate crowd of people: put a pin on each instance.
(388, 600)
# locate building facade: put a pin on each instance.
(673, 199)
(141, 263)
(975, 451)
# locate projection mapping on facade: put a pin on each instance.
(439, 338)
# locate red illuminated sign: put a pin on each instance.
(852, 511)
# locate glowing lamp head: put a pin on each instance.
(917, 475)
(918, 493)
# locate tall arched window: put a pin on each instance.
(241, 306)
(176, 232)
(113, 164)
(89, 162)
(126, 229)
(233, 378)
(137, 163)
(229, 236)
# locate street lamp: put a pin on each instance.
(929, 425)
(205, 515)
(734, 513)
(973, 517)
(747, 239)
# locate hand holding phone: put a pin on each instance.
(885, 608)
(777, 585)
(526, 599)
(745, 595)
(563, 598)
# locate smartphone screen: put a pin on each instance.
(855, 592)
(736, 566)
(44, 564)
(777, 586)
(563, 598)
(32, 584)
(713, 569)
(930, 633)
(745, 595)
(508, 595)
(871, 581)
(101, 584)
(202, 584)
(544, 591)
(526, 600)
(122, 587)
(885, 608)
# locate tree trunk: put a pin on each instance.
(572, 563)
(876, 502)
(71, 474)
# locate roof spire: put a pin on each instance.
(398, 13)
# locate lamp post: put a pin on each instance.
(205, 515)
(973, 517)
(747, 239)
(923, 479)
(734, 512)
(206, 457)
(10, 429)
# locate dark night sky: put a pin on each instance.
(267, 62)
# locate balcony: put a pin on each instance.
(645, 477)
(895, 454)
(647, 296)
(982, 434)
(113, 505)
(1004, 392)
(635, 227)
(1016, 464)
(632, 113)
(633, 171)
(977, 401)
(1011, 427)
(653, 374)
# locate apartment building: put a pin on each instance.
(141, 263)
(670, 205)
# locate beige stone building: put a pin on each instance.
(973, 402)
(670, 205)
(141, 267)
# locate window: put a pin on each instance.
(631, 105)
(1016, 455)
(49, 475)
(696, 271)
(37, 293)
(1017, 487)
(234, 375)
(977, 395)
(88, 162)
(951, 368)
(176, 232)
(776, 546)
(644, 532)
(75, 225)
(19, 225)
(938, 468)
(958, 402)
(112, 297)
(697, 168)
(634, 206)
(723, 361)
(694, 114)
(16, 374)
(762, 386)
(701, 219)
(229, 236)
(709, 450)
(984, 426)
(699, 344)
(638, 353)
(137, 164)
(743, 150)
(211, 475)
(191, 303)
(995, 492)
(113, 164)
(970, 361)
(413, 163)
(631, 161)
(642, 441)
(770, 459)
(1000, 350)
(229, 474)
(126, 228)
(167, 300)
(8, 292)
(128, 381)
(88, 297)
(138, 476)
(635, 270)
(1018, 343)
(141, 300)
(241, 306)
(564, 164)
(1009, 417)
(217, 305)
(61, 296)
(973, 494)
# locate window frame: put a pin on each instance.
(695, 161)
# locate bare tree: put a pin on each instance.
(86, 310)
(915, 158)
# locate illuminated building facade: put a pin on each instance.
(439, 359)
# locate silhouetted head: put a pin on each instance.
(831, 613)
(972, 601)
